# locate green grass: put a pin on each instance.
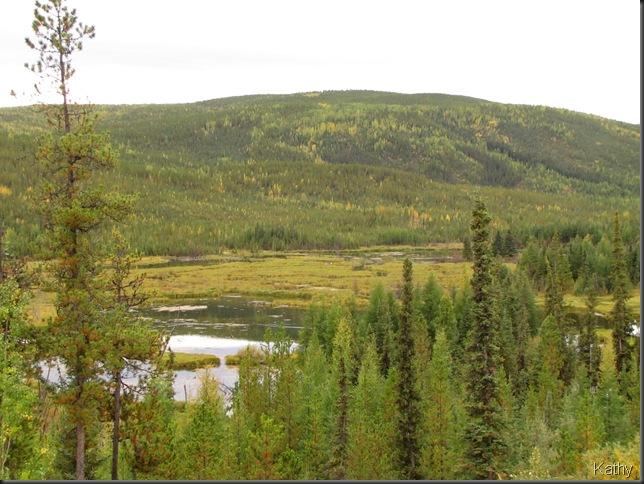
(193, 361)
(297, 278)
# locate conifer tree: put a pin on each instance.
(590, 351)
(484, 433)
(381, 320)
(446, 320)
(432, 294)
(200, 450)
(613, 409)
(150, 431)
(549, 379)
(509, 244)
(314, 416)
(581, 424)
(497, 244)
(555, 307)
(620, 316)
(369, 454)
(72, 210)
(442, 448)
(266, 446)
(408, 398)
(342, 371)
(287, 380)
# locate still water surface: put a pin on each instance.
(219, 327)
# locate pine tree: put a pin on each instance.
(287, 381)
(72, 210)
(150, 431)
(130, 344)
(266, 445)
(408, 399)
(484, 433)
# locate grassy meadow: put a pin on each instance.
(300, 277)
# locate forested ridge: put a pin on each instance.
(344, 169)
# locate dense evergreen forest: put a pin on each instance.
(471, 381)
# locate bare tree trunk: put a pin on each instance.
(117, 424)
(80, 450)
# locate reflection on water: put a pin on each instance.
(227, 317)
(219, 327)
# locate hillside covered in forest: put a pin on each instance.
(344, 169)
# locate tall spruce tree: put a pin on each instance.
(72, 209)
(485, 429)
(408, 398)
(620, 316)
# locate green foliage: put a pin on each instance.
(150, 432)
(432, 295)
(612, 407)
(200, 449)
(369, 453)
(484, 435)
(551, 369)
(581, 427)
(620, 316)
(408, 398)
(381, 323)
(315, 415)
(342, 375)
(345, 169)
(23, 451)
(588, 347)
(64, 463)
(443, 418)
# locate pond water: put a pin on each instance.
(215, 326)
(219, 327)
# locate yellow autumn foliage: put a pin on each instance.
(596, 461)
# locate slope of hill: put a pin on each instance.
(346, 168)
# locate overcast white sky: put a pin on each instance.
(582, 55)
